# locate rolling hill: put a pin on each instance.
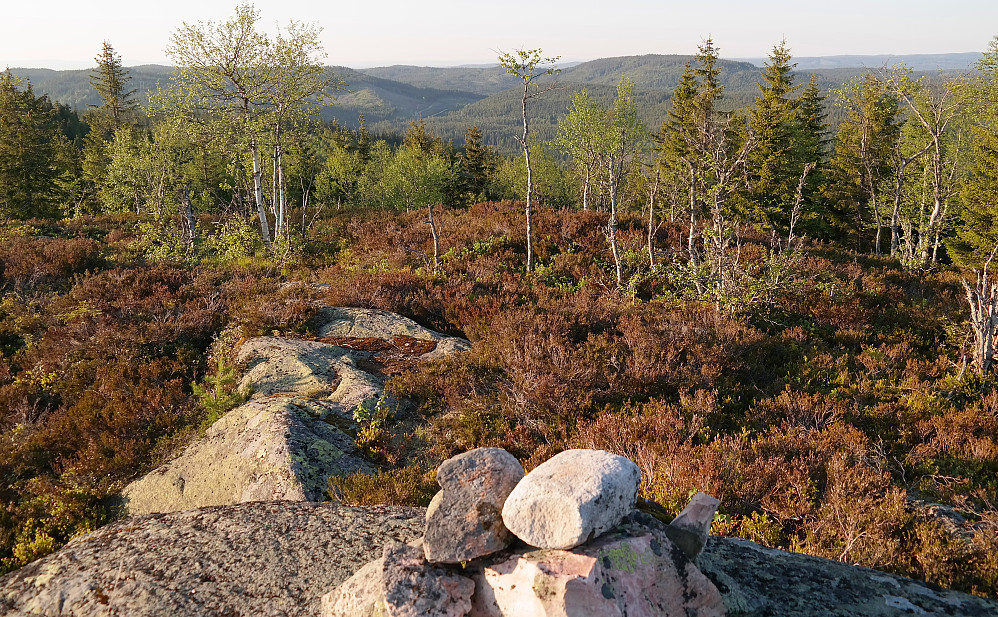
(451, 99)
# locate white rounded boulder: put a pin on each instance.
(572, 498)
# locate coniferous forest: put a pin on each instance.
(783, 295)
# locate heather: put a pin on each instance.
(796, 317)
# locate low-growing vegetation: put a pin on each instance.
(796, 318)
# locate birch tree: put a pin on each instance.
(623, 137)
(578, 138)
(932, 111)
(864, 147)
(528, 65)
(232, 74)
(982, 297)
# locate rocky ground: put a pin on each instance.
(296, 430)
(230, 527)
(262, 559)
(280, 558)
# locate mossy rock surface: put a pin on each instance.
(280, 558)
(269, 448)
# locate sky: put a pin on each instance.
(65, 34)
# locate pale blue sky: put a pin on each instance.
(63, 34)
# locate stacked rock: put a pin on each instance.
(598, 556)
(464, 520)
(572, 498)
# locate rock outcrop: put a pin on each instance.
(267, 449)
(261, 559)
(277, 559)
(295, 432)
(372, 323)
(755, 581)
(274, 366)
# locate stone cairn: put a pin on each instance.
(564, 540)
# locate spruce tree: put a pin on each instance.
(478, 165)
(110, 80)
(811, 137)
(775, 163)
(33, 152)
(679, 127)
(977, 234)
(708, 73)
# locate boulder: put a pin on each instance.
(267, 559)
(361, 595)
(267, 449)
(633, 570)
(464, 520)
(572, 498)
(690, 529)
(413, 588)
(400, 584)
(351, 322)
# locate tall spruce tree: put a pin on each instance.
(977, 233)
(477, 165)
(34, 154)
(811, 137)
(110, 80)
(775, 165)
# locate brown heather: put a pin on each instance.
(829, 417)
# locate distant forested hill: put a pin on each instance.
(655, 77)
(483, 80)
(451, 99)
(917, 62)
(388, 104)
(73, 87)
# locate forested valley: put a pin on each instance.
(785, 299)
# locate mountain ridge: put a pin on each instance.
(453, 98)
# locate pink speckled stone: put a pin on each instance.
(637, 576)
